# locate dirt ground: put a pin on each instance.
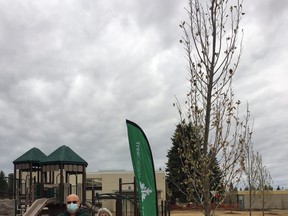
(234, 213)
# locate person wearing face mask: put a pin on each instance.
(73, 207)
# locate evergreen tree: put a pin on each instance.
(10, 185)
(216, 177)
(177, 178)
(175, 175)
(3, 185)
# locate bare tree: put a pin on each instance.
(213, 49)
(251, 173)
(264, 183)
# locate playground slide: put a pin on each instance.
(38, 205)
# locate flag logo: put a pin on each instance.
(145, 191)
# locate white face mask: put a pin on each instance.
(72, 207)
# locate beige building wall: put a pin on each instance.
(109, 180)
(278, 199)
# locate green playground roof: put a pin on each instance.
(64, 155)
(34, 155)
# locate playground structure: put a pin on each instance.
(41, 184)
(44, 181)
(122, 198)
(126, 201)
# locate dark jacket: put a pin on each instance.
(80, 212)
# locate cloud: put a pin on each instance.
(72, 72)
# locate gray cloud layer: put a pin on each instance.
(73, 71)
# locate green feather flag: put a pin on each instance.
(144, 171)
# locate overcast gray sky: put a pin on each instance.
(72, 72)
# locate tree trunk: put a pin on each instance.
(206, 195)
(250, 201)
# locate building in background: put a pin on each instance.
(277, 199)
(108, 183)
